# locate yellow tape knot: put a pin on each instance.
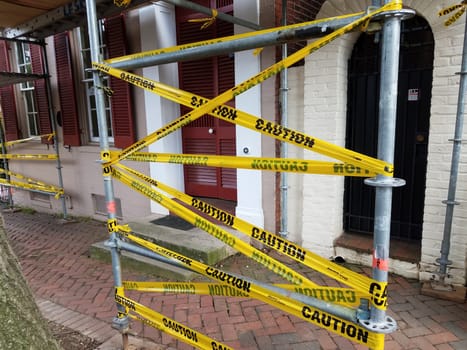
(108, 91)
(60, 193)
(50, 136)
(257, 51)
(207, 21)
(121, 3)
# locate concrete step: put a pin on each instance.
(142, 264)
(193, 243)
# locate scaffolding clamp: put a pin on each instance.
(384, 182)
(389, 325)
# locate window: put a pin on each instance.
(91, 90)
(23, 52)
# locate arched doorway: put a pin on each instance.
(413, 114)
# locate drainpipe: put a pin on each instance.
(456, 152)
(284, 122)
(121, 322)
(379, 321)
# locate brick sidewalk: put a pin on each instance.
(55, 262)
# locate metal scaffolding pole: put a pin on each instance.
(456, 152)
(121, 322)
(284, 101)
(260, 39)
(5, 165)
(54, 130)
(379, 321)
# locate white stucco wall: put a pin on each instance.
(324, 117)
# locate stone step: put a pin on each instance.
(142, 264)
(191, 242)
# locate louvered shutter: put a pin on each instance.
(66, 90)
(208, 77)
(7, 98)
(122, 113)
(40, 93)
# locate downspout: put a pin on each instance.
(284, 122)
(456, 152)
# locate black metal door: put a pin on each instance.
(413, 111)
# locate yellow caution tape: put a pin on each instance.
(31, 183)
(233, 115)
(56, 192)
(269, 164)
(462, 6)
(306, 312)
(213, 229)
(113, 226)
(394, 5)
(33, 138)
(20, 156)
(341, 296)
(168, 325)
(204, 106)
(366, 286)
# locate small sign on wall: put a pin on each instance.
(414, 95)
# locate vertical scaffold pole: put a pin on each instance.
(379, 321)
(120, 322)
(443, 260)
(5, 165)
(53, 124)
(284, 91)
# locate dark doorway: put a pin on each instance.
(413, 114)
(208, 77)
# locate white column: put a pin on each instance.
(249, 185)
(158, 30)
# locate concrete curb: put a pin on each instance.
(96, 329)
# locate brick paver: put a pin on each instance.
(73, 289)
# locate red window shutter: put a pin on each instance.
(122, 113)
(7, 98)
(40, 92)
(66, 90)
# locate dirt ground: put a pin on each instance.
(70, 339)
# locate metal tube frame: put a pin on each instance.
(284, 101)
(121, 322)
(5, 164)
(346, 313)
(456, 152)
(252, 42)
(379, 321)
(53, 124)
